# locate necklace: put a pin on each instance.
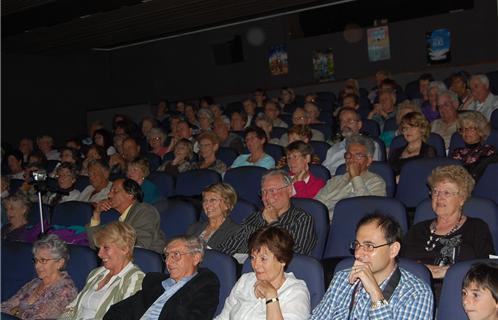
(431, 243)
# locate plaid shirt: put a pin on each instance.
(411, 300)
(299, 224)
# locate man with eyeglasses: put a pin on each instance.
(276, 191)
(350, 123)
(189, 292)
(357, 181)
(446, 126)
(376, 287)
(301, 117)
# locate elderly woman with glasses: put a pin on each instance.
(66, 175)
(476, 155)
(269, 292)
(117, 278)
(218, 200)
(156, 138)
(416, 130)
(208, 146)
(46, 296)
(452, 236)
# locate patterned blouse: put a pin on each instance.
(50, 303)
(471, 154)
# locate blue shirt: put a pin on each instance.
(170, 288)
(266, 161)
(411, 300)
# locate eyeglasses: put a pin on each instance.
(294, 156)
(211, 201)
(272, 191)
(358, 156)
(349, 121)
(443, 193)
(176, 255)
(469, 129)
(368, 247)
(406, 128)
(41, 260)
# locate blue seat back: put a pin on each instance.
(320, 215)
(224, 266)
(320, 148)
(347, 214)
(176, 216)
(72, 213)
(412, 187)
(227, 155)
(481, 208)
(390, 125)
(415, 268)
(370, 127)
(277, 132)
(320, 171)
(164, 183)
(382, 169)
(307, 269)
(247, 182)
(148, 260)
(109, 216)
(82, 260)
(154, 161)
(17, 267)
(324, 128)
(82, 182)
(274, 150)
(191, 183)
(486, 186)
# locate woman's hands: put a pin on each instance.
(264, 289)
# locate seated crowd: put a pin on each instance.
(322, 153)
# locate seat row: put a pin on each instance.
(18, 270)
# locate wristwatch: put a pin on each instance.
(378, 304)
(272, 300)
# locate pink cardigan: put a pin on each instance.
(310, 189)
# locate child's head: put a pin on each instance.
(480, 291)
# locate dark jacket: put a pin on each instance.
(196, 300)
(227, 229)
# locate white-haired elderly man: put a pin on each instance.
(447, 104)
(484, 101)
(189, 292)
(227, 139)
(357, 181)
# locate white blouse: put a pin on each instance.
(242, 303)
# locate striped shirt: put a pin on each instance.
(120, 286)
(299, 224)
(411, 300)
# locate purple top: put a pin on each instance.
(430, 114)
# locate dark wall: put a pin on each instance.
(51, 94)
(184, 67)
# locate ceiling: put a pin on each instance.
(44, 26)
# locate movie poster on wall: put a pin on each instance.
(379, 47)
(277, 59)
(323, 65)
(438, 46)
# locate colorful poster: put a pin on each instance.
(378, 43)
(438, 46)
(323, 65)
(277, 59)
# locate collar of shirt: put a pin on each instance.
(123, 216)
(168, 283)
(116, 276)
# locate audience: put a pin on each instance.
(156, 138)
(272, 111)
(250, 109)
(138, 170)
(117, 279)
(45, 144)
(126, 198)
(66, 175)
(15, 164)
(26, 147)
(284, 296)
(47, 295)
(103, 138)
(17, 208)
(255, 139)
(301, 117)
(189, 292)
(218, 201)
(298, 157)
(98, 174)
(388, 135)
(206, 118)
(476, 155)
(208, 146)
(460, 86)
(416, 130)
(265, 123)
(447, 103)
(376, 287)
(227, 139)
(480, 291)
(94, 152)
(385, 109)
(182, 155)
(357, 180)
(429, 107)
(238, 121)
(276, 191)
(483, 100)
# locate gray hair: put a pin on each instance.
(450, 94)
(21, 198)
(158, 132)
(57, 247)
(482, 78)
(439, 85)
(476, 117)
(363, 140)
(207, 113)
(225, 120)
(193, 243)
(287, 180)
